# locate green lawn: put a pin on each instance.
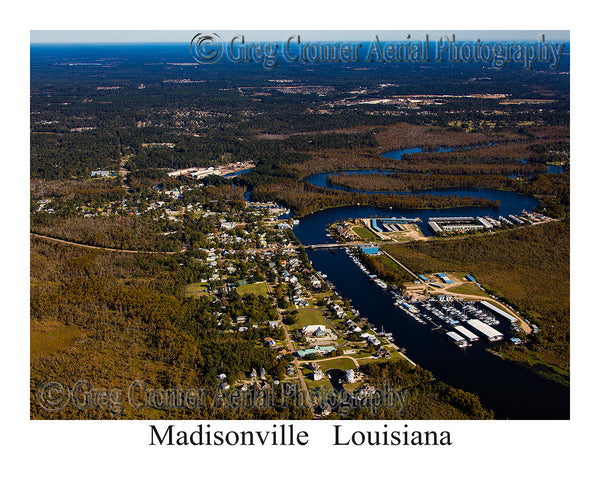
(308, 316)
(315, 385)
(341, 363)
(259, 288)
(196, 289)
(365, 234)
(467, 289)
(350, 387)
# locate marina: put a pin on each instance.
(421, 335)
(447, 313)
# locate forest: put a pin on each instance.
(429, 399)
(304, 199)
(552, 189)
(114, 318)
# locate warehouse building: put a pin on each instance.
(444, 278)
(439, 225)
(370, 249)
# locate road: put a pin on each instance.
(403, 266)
(295, 360)
(328, 359)
(93, 247)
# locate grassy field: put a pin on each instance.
(365, 234)
(341, 363)
(466, 289)
(308, 316)
(259, 288)
(316, 384)
(196, 289)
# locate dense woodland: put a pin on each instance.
(115, 318)
(304, 199)
(553, 189)
(429, 399)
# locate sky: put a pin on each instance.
(185, 36)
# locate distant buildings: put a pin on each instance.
(221, 170)
(102, 173)
(319, 350)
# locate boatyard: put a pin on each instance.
(457, 225)
(383, 229)
(462, 321)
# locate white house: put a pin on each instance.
(314, 330)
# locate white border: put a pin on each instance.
(492, 449)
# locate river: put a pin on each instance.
(511, 391)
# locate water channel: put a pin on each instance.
(511, 391)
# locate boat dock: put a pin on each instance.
(455, 338)
(491, 334)
(471, 337)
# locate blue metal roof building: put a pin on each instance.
(374, 225)
(370, 250)
(444, 278)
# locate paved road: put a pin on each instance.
(295, 360)
(93, 247)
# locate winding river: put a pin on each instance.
(511, 391)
